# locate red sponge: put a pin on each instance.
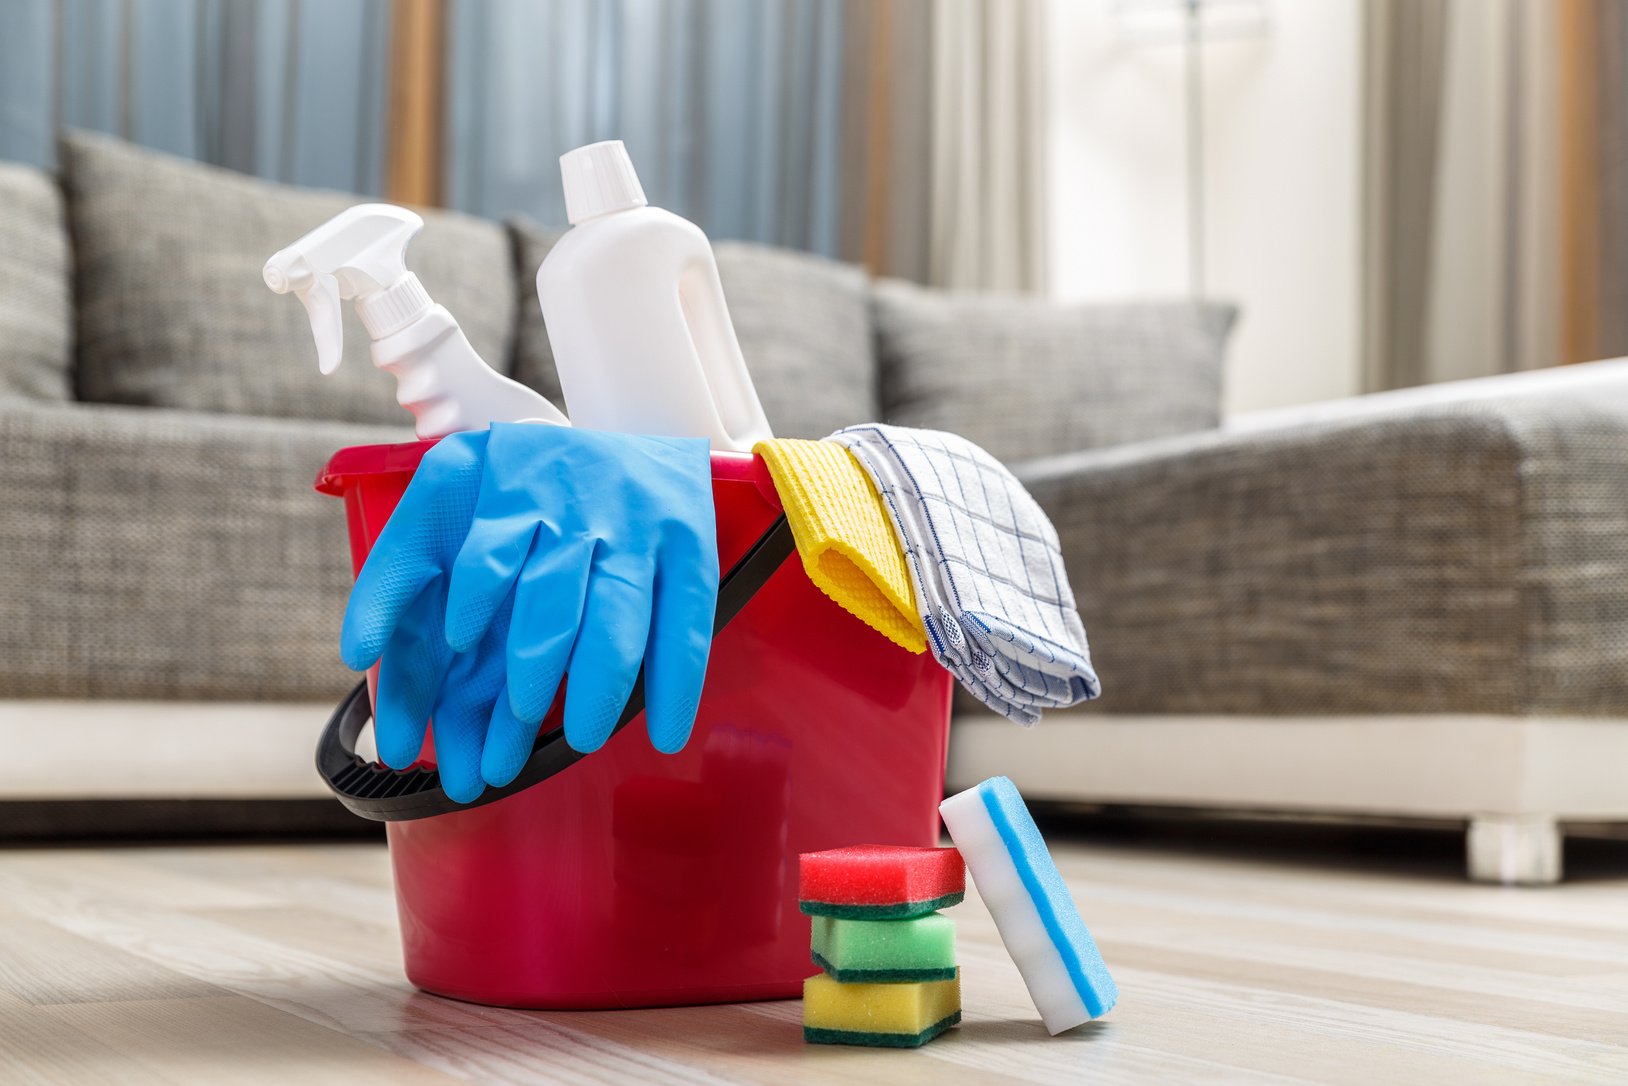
(880, 882)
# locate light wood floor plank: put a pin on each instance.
(233, 1041)
(368, 941)
(42, 964)
(250, 964)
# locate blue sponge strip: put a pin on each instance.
(1059, 914)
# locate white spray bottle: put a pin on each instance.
(361, 254)
(636, 315)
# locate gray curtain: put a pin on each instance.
(900, 133)
(287, 89)
(904, 134)
(731, 109)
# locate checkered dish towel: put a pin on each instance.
(986, 567)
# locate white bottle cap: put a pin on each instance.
(599, 179)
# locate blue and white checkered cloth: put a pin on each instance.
(987, 569)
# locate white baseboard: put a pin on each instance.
(151, 750)
(1424, 766)
(1418, 766)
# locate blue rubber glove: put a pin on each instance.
(537, 512)
(607, 546)
(397, 609)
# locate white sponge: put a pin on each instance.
(1037, 918)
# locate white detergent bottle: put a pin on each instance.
(361, 253)
(636, 315)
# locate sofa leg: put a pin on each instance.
(1514, 850)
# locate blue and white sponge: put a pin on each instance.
(1037, 919)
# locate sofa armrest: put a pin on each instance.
(1419, 554)
(147, 553)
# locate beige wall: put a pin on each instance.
(1282, 175)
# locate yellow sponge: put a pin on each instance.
(884, 1015)
(844, 536)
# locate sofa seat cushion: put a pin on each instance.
(36, 314)
(156, 554)
(1422, 554)
(1027, 377)
(803, 323)
(172, 311)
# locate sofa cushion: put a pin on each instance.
(156, 554)
(805, 329)
(1027, 377)
(36, 316)
(1464, 551)
(803, 324)
(172, 311)
(533, 356)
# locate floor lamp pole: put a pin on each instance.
(1195, 149)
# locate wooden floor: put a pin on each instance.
(279, 964)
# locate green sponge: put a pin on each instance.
(885, 951)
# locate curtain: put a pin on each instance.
(1495, 222)
(901, 133)
(730, 108)
(287, 89)
(988, 172)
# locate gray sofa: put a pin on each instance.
(1409, 605)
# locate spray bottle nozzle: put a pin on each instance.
(361, 253)
(358, 253)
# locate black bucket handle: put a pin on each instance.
(382, 794)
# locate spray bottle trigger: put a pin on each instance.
(321, 300)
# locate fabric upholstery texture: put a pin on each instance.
(149, 553)
(36, 315)
(1443, 558)
(533, 357)
(171, 311)
(803, 323)
(805, 329)
(1425, 556)
(1025, 377)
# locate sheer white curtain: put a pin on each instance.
(988, 164)
(1496, 145)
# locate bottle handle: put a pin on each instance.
(729, 384)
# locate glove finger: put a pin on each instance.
(463, 708)
(484, 575)
(508, 744)
(548, 609)
(414, 665)
(675, 659)
(426, 528)
(609, 648)
(459, 721)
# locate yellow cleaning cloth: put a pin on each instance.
(844, 536)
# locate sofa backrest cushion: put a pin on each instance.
(1027, 377)
(172, 311)
(36, 312)
(533, 357)
(803, 323)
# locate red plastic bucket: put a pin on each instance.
(632, 878)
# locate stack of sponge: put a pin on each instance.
(887, 957)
